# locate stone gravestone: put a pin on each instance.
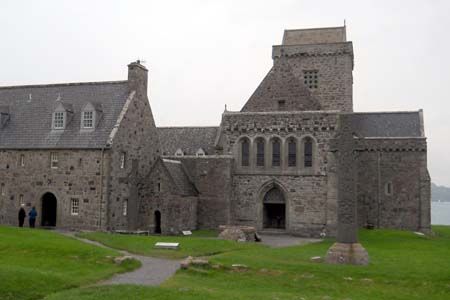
(346, 250)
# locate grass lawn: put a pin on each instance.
(199, 244)
(35, 263)
(403, 266)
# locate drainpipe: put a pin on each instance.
(378, 188)
(101, 188)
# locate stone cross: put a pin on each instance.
(346, 250)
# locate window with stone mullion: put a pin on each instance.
(276, 153)
(260, 153)
(292, 154)
(308, 147)
(245, 155)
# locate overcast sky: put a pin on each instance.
(202, 55)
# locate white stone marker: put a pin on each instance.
(162, 245)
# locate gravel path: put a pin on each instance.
(153, 271)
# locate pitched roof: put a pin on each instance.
(180, 177)
(188, 139)
(31, 108)
(280, 84)
(388, 124)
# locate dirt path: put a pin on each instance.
(153, 271)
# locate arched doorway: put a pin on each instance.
(157, 221)
(49, 208)
(274, 209)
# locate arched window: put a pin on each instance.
(276, 149)
(292, 153)
(260, 152)
(308, 147)
(245, 153)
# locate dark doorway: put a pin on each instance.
(274, 209)
(157, 221)
(49, 207)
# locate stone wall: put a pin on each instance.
(400, 163)
(314, 36)
(310, 192)
(213, 178)
(334, 63)
(78, 176)
(135, 136)
(158, 193)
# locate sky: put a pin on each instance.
(203, 54)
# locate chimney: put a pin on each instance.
(137, 78)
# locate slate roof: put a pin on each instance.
(388, 124)
(188, 139)
(180, 177)
(281, 84)
(31, 108)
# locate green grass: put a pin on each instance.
(199, 244)
(35, 263)
(403, 266)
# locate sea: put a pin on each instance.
(440, 213)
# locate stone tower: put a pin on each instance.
(312, 71)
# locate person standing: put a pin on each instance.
(32, 217)
(22, 215)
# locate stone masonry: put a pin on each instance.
(94, 147)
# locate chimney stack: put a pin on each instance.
(137, 78)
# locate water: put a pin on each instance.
(440, 213)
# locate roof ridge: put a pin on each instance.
(63, 84)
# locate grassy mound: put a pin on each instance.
(35, 263)
(197, 245)
(403, 266)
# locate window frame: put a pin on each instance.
(22, 160)
(85, 119)
(311, 79)
(276, 157)
(308, 156)
(123, 158)
(125, 207)
(292, 156)
(59, 122)
(260, 152)
(54, 160)
(74, 206)
(245, 152)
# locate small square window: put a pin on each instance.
(310, 79)
(54, 160)
(58, 120)
(74, 207)
(88, 119)
(281, 104)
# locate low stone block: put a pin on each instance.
(170, 246)
(349, 254)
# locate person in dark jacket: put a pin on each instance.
(22, 215)
(32, 217)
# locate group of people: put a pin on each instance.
(32, 215)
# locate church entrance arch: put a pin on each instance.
(49, 209)
(274, 211)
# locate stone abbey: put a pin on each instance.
(88, 156)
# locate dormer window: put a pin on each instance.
(90, 116)
(200, 152)
(62, 115)
(179, 152)
(58, 120)
(88, 119)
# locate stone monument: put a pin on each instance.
(346, 250)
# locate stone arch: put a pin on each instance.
(308, 154)
(275, 152)
(274, 206)
(243, 151)
(48, 209)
